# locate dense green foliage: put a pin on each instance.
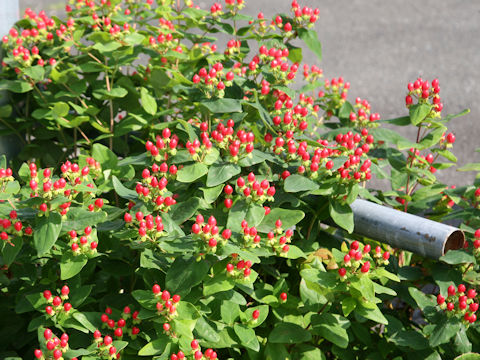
(171, 195)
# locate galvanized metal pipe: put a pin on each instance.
(405, 231)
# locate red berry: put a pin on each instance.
(107, 340)
(283, 296)
(342, 272)
(451, 290)
(194, 344)
(156, 289)
(440, 299)
(450, 138)
(255, 314)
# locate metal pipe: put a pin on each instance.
(405, 231)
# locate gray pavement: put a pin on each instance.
(379, 46)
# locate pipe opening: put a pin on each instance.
(454, 241)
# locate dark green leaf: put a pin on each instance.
(295, 183)
(71, 265)
(148, 102)
(247, 336)
(46, 232)
(342, 214)
(289, 333)
(332, 327)
(186, 273)
(418, 113)
(220, 173)
(310, 38)
(192, 172)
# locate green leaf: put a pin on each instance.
(409, 338)
(372, 312)
(221, 106)
(444, 331)
(332, 327)
(206, 331)
(148, 102)
(310, 37)
(470, 167)
(348, 305)
(46, 232)
(418, 113)
(289, 333)
(342, 214)
(185, 210)
(122, 191)
(218, 283)
(185, 273)
(79, 218)
(104, 156)
(295, 183)
(263, 310)
(454, 257)
(229, 311)
(287, 216)
(155, 347)
(468, 356)
(36, 72)
(11, 250)
(212, 194)
(192, 172)
(247, 336)
(71, 265)
(461, 342)
(420, 298)
(345, 111)
(220, 173)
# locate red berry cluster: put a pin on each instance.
(274, 60)
(238, 268)
(209, 233)
(214, 81)
(289, 119)
(252, 190)
(105, 348)
(85, 244)
(209, 354)
(12, 226)
(154, 186)
(56, 304)
(460, 303)
(304, 16)
(314, 73)
(165, 40)
(150, 228)
(216, 10)
(425, 93)
(476, 244)
(55, 347)
(333, 96)
(6, 175)
(125, 325)
(363, 117)
(235, 5)
(198, 150)
(357, 145)
(164, 146)
(22, 45)
(446, 203)
(236, 145)
(49, 190)
(415, 159)
(447, 140)
(166, 304)
(358, 261)
(277, 239)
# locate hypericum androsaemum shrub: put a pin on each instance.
(171, 195)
